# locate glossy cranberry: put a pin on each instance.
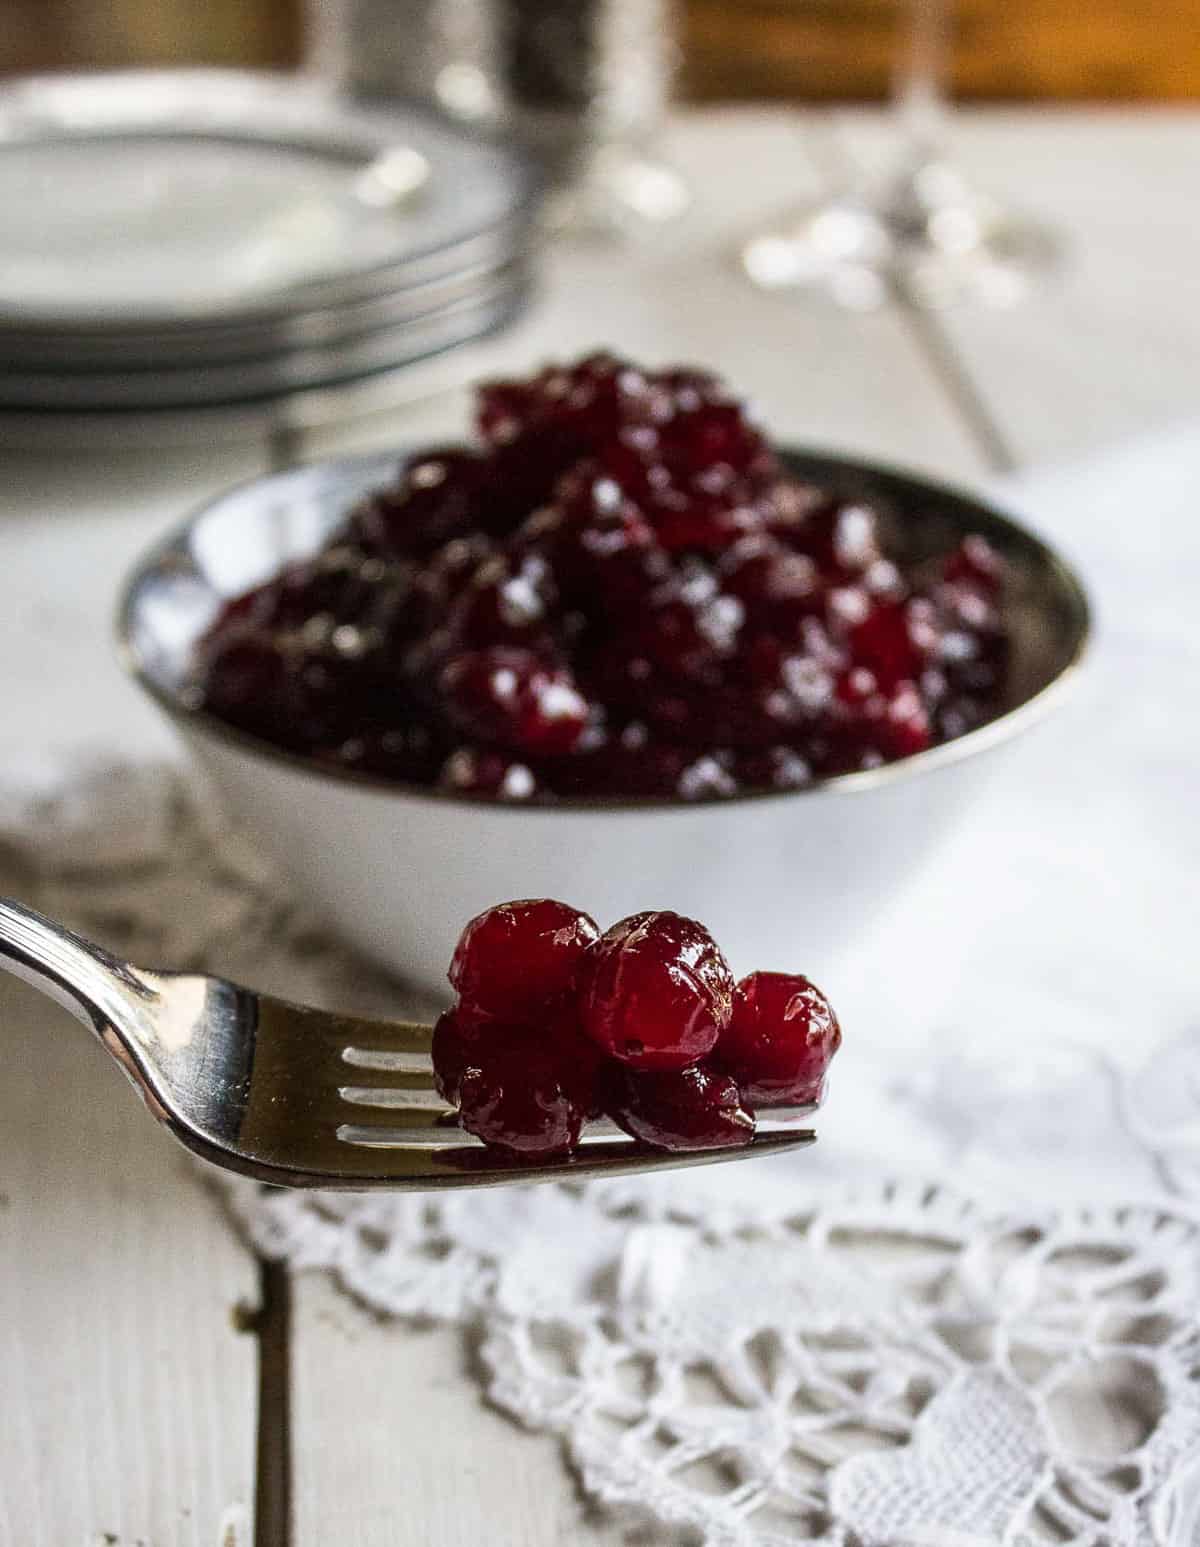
(503, 408)
(442, 577)
(614, 563)
(628, 537)
(679, 1109)
(516, 1097)
(590, 492)
(438, 497)
(700, 521)
(976, 563)
(690, 639)
(707, 777)
(771, 581)
(883, 643)
(504, 603)
(780, 1039)
(514, 959)
(655, 991)
(452, 1049)
(713, 433)
(906, 729)
(522, 476)
(246, 680)
(343, 583)
(842, 538)
(774, 768)
(327, 696)
(512, 697)
(790, 508)
(633, 464)
(644, 767)
(691, 386)
(410, 753)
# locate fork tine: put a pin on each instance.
(387, 1061)
(399, 1097)
(415, 1082)
(600, 1160)
(405, 1131)
(472, 1165)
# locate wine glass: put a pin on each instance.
(922, 230)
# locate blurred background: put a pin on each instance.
(1015, 50)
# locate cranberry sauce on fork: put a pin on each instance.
(618, 592)
(556, 1023)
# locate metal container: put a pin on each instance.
(584, 84)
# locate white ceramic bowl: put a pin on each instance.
(785, 880)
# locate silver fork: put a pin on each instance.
(298, 1096)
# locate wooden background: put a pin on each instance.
(1122, 50)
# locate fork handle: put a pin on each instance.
(98, 988)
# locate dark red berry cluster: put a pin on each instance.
(620, 592)
(556, 1023)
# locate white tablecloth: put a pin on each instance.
(1000, 1230)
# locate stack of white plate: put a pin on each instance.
(180, 245)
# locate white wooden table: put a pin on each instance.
(150, 1370)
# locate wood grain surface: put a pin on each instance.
(128, 1395)
(804, 50)
(1002, 49)
(128, 1398)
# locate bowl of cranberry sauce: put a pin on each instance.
(618, 647)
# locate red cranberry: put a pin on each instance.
(437, 497)
(790, 510)
(327, 697)
(477, 771)
(246, 682)
(703, 522)
(409, 753)
(977, 563)
(883, 642)
(841, 537)
(445, 573)
(780, 1040)
(515, 1096)
(628, 538)
(514, 959)
(503, 409)
(714, 433)
(632, 463)
(775, 768)
(906, 730)
(591, 492)
(512, 697)
(343, 583)
(504, 603)
(688, 639)
(641, 767)
(679, 1109)
(691, 386)
(452, 1050)
(616, 562)
(708, 777)
(769, 579)
(655, 991)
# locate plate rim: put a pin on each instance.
(31, 108)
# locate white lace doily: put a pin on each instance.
(857, 1357)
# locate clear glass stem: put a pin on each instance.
(918, 87)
